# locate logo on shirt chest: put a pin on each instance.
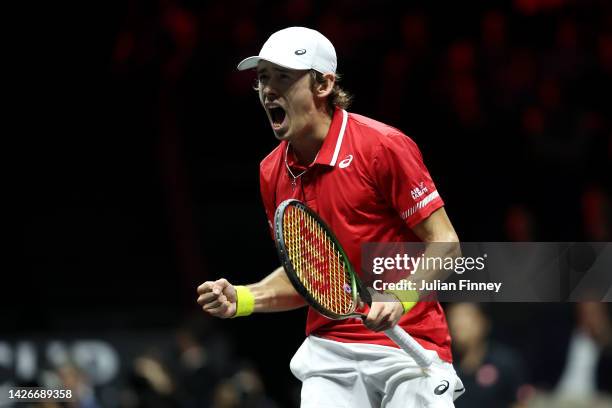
(346, 162)
(418, 191)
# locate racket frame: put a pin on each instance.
(355, 283)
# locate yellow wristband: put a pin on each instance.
(409, 298)
(245, 301)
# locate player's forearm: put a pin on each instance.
(449, 248)
(441, 243)
(275, 293)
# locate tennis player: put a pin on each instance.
(368, 182)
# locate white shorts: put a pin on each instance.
(355, 375)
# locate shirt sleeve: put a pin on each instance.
(403, 179)
(267, 197)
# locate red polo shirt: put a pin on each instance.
(369, 184)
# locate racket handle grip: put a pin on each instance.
(410, 346)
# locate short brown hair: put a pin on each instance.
(338, 97)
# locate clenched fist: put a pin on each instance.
(218, 298)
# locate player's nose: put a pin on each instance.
(269, 91)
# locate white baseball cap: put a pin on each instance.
(296, 48)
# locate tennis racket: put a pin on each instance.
(320, 271)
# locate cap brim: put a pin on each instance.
(249, 63)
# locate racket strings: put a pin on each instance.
(317, 261)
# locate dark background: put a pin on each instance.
(139, 144)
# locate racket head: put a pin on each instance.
(314, 261)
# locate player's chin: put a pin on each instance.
(281, 134)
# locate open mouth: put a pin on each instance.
(278, 115)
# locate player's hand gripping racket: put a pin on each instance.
(321, 272)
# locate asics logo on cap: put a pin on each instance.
(300, 52)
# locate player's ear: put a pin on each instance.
(324, 88)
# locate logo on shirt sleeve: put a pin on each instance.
(419, 191)
(420, 204)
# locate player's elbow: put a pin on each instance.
(454, 249)
(451, 236)
(443, 235)
(446, 242)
